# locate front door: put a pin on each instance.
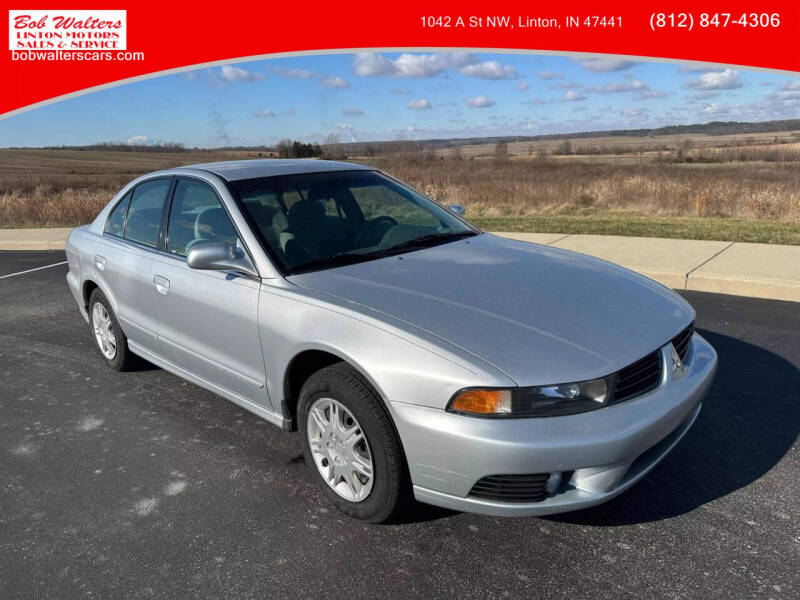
(208, 320)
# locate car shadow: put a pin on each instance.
(415, 513)
(140, 365)
(750, 420)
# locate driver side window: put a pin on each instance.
(197, 215)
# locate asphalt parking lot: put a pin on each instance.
(140, 485)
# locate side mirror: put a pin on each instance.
(219, 256)
(456, 209)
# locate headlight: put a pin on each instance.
(539, 401)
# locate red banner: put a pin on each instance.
(50, 53)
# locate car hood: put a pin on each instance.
(537, 313)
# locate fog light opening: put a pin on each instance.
(553, 483)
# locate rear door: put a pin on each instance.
(208, 320)
(123, 259)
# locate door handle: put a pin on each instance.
(100, 261)
(161, 283)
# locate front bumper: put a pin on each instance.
(606, 450)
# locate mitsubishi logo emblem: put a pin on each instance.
(678, 368)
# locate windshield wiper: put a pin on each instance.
(349, 258)
(424, 241)
(334, 260)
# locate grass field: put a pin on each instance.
(688, 228)
(703, 187)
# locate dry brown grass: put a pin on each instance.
(50, 188)
(747, 190)
(41, 188)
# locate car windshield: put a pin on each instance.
(316, 221)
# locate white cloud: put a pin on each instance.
(791, 85)
(421, 104)
(785, 94)
(231, 73)
(480, 102)
(640, 90)
(715, 110)
(490, 69)
(335, 82)
(630, 85)
(289, 112)
(370, 64)
(605, 64)
(633, 113)
(352, 112)
(137, 140)
(549, 75)
(294, 73)
(523, 85)
(567, 85)
(572, 96)
(264, 114)
(725, 80)
(705, 95)
(647, 94)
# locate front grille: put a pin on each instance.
(511, 488)
(681, 341)
(638, 378)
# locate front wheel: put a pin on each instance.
(351, 446)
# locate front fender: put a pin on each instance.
(403, 365)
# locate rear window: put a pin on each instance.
(144, 213)
(115, 225)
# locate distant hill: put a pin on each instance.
(711, 128)
(380, 147)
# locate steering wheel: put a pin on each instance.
(371, 225)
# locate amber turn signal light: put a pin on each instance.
(482, 402)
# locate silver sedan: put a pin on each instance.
(417, 356)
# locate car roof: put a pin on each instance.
(234, 170)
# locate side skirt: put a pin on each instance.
(262, 412)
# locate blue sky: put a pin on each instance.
(387, 96)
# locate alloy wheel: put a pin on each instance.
(340, 449)
(104, 331)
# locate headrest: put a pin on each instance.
(279, 221)
(213, 223)
(305, 212)
(321, 191)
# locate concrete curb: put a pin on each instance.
(34, 239)
(737, 268)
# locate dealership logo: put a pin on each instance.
(67, 30)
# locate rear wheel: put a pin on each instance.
(350, 445)
(108, 335)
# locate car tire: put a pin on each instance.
(359, 407)
(107, 333)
